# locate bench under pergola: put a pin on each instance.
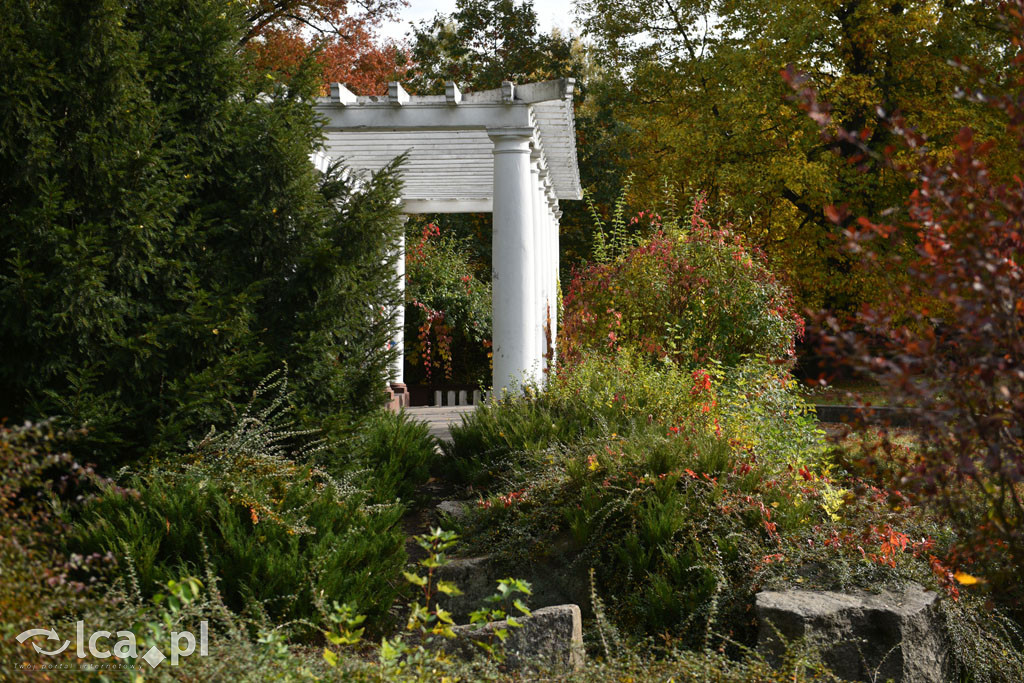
(509, 151)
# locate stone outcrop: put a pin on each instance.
(477, 577)
(552, 638)
(862, 636)
(456, 510)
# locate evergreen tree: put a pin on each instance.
(165, 240)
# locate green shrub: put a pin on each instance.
(277, 530)
(396, 451)
(672, 484)
(176, 525)
(755, 405)
(448, 311)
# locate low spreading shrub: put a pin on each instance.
(282, 534)
(755, 404)
(395, 451)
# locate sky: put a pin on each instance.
(550, 14)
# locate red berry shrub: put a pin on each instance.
(689, 293)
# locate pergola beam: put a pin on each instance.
(419, 206)
(383, 116)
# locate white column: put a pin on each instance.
(544, 256)
(539, 271)
(398, 333)
(554, 215)
(512, 248)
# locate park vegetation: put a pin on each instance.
(195, 324)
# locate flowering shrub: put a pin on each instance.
(448, 312)
(691, 294)
(754, 407)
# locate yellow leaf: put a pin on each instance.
(965, 579)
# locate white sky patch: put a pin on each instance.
(550, 14)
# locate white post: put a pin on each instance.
(398, 390)
(554, 215)
(540, 272)
(549, 257)
(512, 260)
(398, 334)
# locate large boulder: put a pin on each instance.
(863, 636)
(550, 638)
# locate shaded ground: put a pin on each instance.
(422, 516)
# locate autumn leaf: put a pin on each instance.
(965, 579)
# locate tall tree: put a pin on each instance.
(697, 87)
(485, 42)
(166, 241)
(342, 41)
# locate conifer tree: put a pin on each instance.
(165, 241)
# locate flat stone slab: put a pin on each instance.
(863, 636)
(440, 419)
(551, 637)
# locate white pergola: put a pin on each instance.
(509, 151)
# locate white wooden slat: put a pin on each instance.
(446, 139)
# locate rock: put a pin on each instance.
(475, 577)
(453, 509)
(863, 636)
(551, 637)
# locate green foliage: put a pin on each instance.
(675, 524)
(280, 533)
(448, 311)
(421, 651)
(755, 405)
(693, 93)
(690, 294)
(353, 555)
(40, 485)
(395, 451)
(485, 42)
(166, 240)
